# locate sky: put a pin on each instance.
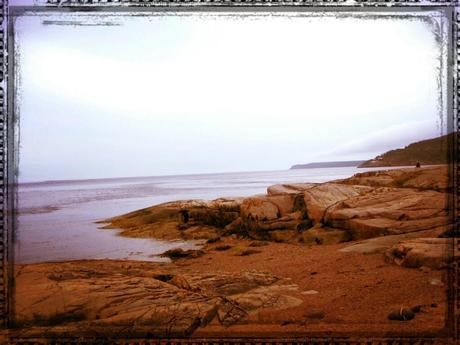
(214, 92)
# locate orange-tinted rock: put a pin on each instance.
(116, 296)
(291, 188)
(430, 177)
(435, 253)
(259, 208)
(389, 211)
(366, 205)
(319, 198)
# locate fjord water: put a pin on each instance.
(56, 219)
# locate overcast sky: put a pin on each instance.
(218, 93)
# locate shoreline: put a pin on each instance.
(239, 284)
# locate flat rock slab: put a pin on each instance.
(389, 211)
(320, 198)
(435, 253)
(172, 302)
(291, 188)
(431, 177)
(381, 244)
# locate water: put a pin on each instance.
(56, 219)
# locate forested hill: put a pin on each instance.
(426, 152)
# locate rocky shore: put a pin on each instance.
(365, 254)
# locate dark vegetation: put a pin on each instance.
(426, 152)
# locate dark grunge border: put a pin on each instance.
(9, 156)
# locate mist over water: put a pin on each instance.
(56, 220)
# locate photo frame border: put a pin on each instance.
(9, 126)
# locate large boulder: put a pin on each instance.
(320, 235)
(291, 188)
(321, 197)
(435, 253)
(389, 211)
(262, 214)
(259, 209)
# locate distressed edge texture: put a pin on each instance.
(147, 3)
(4, 141)
(8, 158)
(454, 274)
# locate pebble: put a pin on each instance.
(317, 315)
(309, 292)
(403, 314)
(436, 282)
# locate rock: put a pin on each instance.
(258, 244)
(430, 177)
(319, 198)
(388, 211)
(436, 282)
(163, 277)
(403, 314)
(274, 296)
(234, 227)
(309, 292)
(292, 188)
(417, 309)
(227, 284)
(316, 314)
(428, 252)
(381, 244)
(293, 221)
(318, 235)
(259, 208)
(107, 297)
(247, 252)
(213, 239)
(263, 214)
(178, 253)
(285, 203)
(367, 205)
(98, 302)
(185, 219)
(223, 247)
(286, 236)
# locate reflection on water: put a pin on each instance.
(56, 220)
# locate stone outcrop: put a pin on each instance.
(320, 198)
(431, 177)
(169, 302)
(435, 253)
(389, 211)
(366, 205)
(293, 188)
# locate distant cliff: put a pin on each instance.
(426, 152)
(327, 165)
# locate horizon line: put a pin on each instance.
(173, 175)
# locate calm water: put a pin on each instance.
(57, 219)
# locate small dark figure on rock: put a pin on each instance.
(417, 165)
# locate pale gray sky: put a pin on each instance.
(179, 94)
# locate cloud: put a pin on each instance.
(393, 137)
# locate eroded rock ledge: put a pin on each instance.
(125, 294)
(367, 205)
